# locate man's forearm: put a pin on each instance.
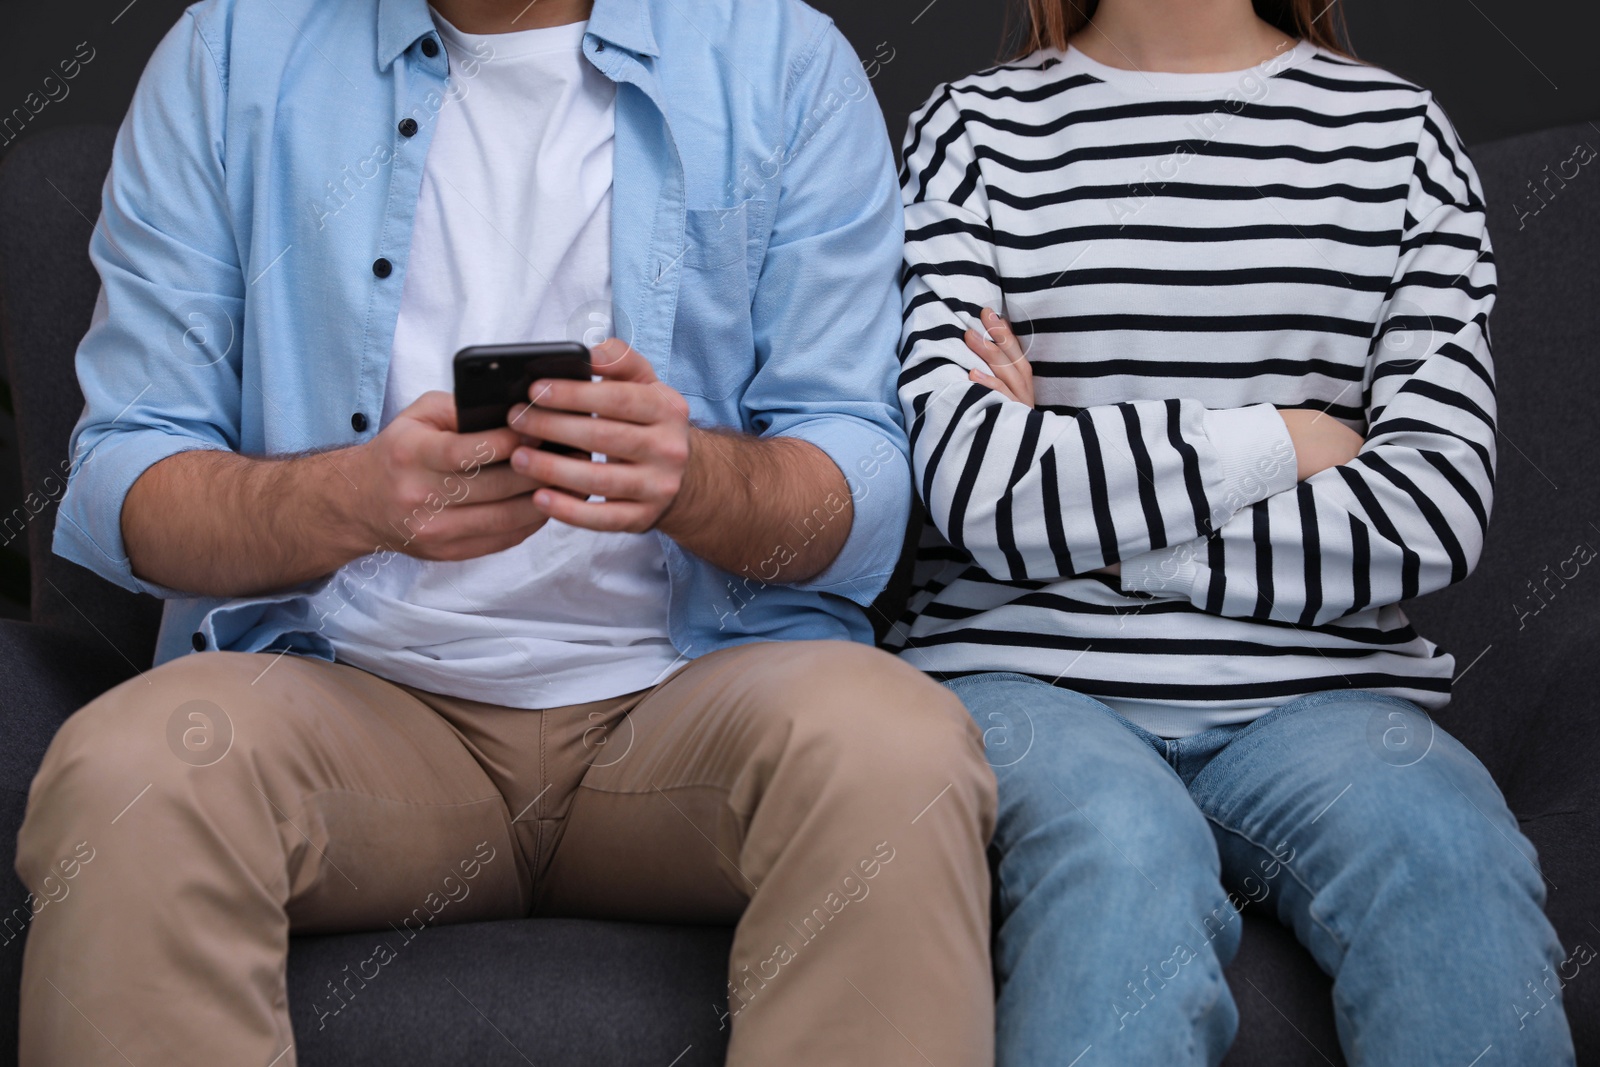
(219, 524)
(775, 508)
(215, 523)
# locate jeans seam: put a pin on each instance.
(1219, 988)
(1245, 741)
(1310, 892)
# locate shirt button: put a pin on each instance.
(199, 641)
(430, 47)
(382, 268)
(599, 46)
(358, 422)
(408, 127)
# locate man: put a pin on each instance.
(637, 689)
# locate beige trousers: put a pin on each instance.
(827, 797)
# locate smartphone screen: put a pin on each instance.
(492, 379)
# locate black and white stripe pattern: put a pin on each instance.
(1181, 254)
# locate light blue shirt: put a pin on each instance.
(264, 169)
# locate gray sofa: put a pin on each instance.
(556, 992)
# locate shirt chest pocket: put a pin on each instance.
(713, 342)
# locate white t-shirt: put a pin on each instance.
(512, 243)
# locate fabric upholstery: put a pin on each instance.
(556, 990)
(49, 193)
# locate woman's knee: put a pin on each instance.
(1068, 767)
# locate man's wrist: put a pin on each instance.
(688, 511)
(336, 500)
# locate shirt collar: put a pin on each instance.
(624, 23)
(400, 24)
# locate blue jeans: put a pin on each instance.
(1123, 859)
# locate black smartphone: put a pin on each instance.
(492, 379)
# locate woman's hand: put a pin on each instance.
(1320, 441)
(1011, 375)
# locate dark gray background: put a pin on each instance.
(1499, 67)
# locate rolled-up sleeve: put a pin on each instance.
(827, 310)
(160, 364)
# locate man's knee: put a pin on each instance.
(841, 685)
(181, 714)
(149, 750)
(877, 726)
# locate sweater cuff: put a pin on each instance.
(1165, 571)
(1257, 457)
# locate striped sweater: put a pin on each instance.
(1181, 254)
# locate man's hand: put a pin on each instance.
(777, 509)
(1320, 441)
(424, 490)
(639, 424)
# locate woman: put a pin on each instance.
(1242, 408)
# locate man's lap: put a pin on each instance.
(343, 753)
(704, 748)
